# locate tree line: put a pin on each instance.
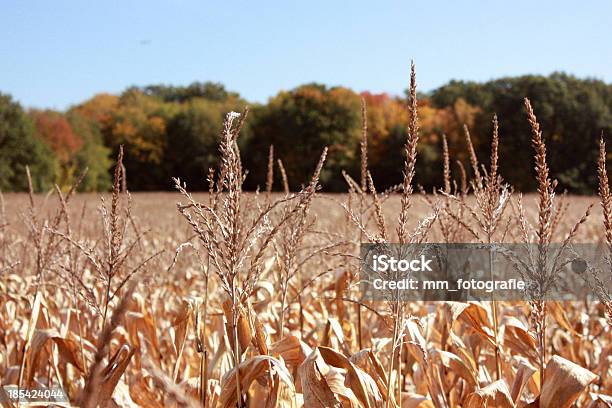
(170, 131)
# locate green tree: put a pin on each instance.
(388, 119)
(19, 147)
(300, 123)
(572, 112)
(193, 139)
(139, 124)
(93, 155)
(212, 91)
(53, 128)
(166, 131)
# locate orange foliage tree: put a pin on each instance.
(53, 128)
(388, 119)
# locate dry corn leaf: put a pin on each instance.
(181, 325)
(561, 317)
(494, 395)
(417, 345)
(524, 373)
(362, 384)
(457, 366)
(341, 282)
(68, 349)
(453, 311)
(518, 338)
(368, 362)
(142, 394)
(563, 383)
(333, 327)
(141, 326)
(563, 342)
(461, 350)
(435, 387)
(474, 315)
(600, 401)
(108, 377)
(32, 324)
(317, 383)
(292, 350)
(122, 397)
(263, 294)
(260, 340)
(249, 371)
(115, 369)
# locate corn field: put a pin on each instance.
(252, 299)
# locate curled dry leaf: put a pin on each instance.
(524, 373)
(263, 294)
(104, 381)
(68, 350)
(456, 365)
(563, 383)
(519, 339)
(362, 384)
(251, 370)
(142, 394)
(341, 284)
(368, 362)
(333, 335)
(600, 401)
(292, 350)
(322, 386)
(141, 326)
(474, 315)
(260, 340)
(181, 324)
(494, 395)
(561, 317)
(113, 371)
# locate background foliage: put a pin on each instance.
(173, 131)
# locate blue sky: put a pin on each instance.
(57, 53)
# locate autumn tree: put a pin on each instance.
(93, 154)
(20, 148)
(173, 131)
(193, 138)
(53, 128)
(572, 113)
(300, 123)
(139, 124)
(100, 109)
(210, 91)
(388, 119)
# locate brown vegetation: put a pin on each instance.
(252, 300)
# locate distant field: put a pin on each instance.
(157, 210)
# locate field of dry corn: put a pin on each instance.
(236, 299)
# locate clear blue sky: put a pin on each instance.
(57, 53)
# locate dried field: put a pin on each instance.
(135, 301)
(449, 351)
